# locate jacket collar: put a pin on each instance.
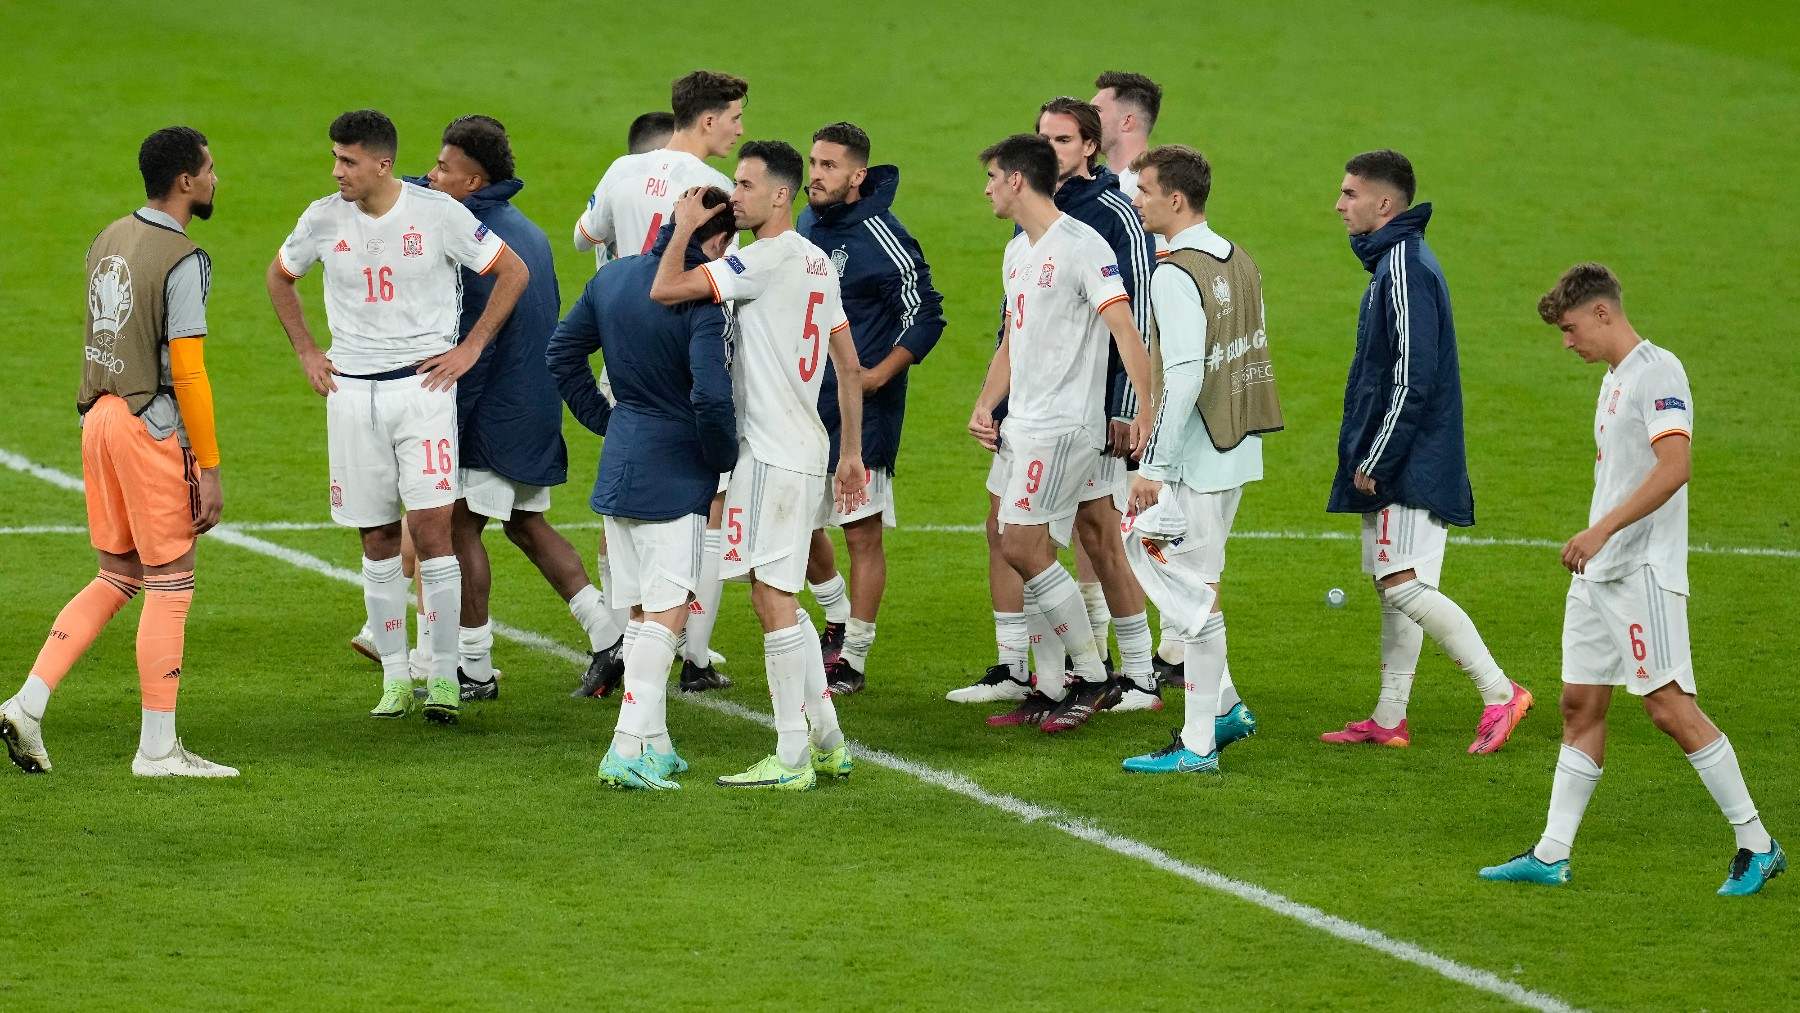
(694, 257)
(485, 199)
(876, 197)
(1408, 224)
(1078, 191)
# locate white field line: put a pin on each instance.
(1312, 917)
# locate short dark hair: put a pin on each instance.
(1028, 155)
(1388, 166)
(166, 155)
(1136, 89)
(1577, 287)
(847, 134)
(483, 139)
(1180, 169)
(780, 158)
(695, 94)
(721, 224)
(647, 126)
(369, 128)
(1087, 120)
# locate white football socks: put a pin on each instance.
(1055, 595)
(1134, 649)
(1093, 598)
(785, 660)
(1170, 649)
(596, 620)
(833, 598)
(441, 580)
(1576, 777)
(475, 650)
(1455, 633)
(821, 710)
(1401, 641)
(1204, 667)
(1013, 642)
(703, 611)
(1717, 765)
(1228, 694)
(643, 710)
(859, 639)
(34, 696)
(1048, 657)
(385, 590)
(156, 736)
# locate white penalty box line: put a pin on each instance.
(1027, 812)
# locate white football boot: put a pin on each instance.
(24, 737)
(179, 763)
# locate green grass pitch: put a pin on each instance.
(359, 864)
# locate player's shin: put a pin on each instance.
(643, 711)
(1717, 765)
(821, 711)
(475, 651)
(1577, 775)
(1204, 665)
(80, 621)
(1447, 624)
(161, 638)
(703, 613)
(384, 596)
(832, 597)
(440, 581)
(1134, 649)
(1048, 657)
(1401, 641)
(1054, 594)
(1012, 642)
(786, 659)
(596, 620)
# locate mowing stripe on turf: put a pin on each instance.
(951, 781)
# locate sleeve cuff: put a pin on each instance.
(710, 283)
(495, 259)
(1121, 297)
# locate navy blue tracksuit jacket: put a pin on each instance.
(888, 298)
(673, 427)
(1403, 419)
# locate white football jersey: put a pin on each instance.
(393, 285)
(788, 306)
(1642, 400)
(636, 197)
(1055, 290)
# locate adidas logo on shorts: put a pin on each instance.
(1382, 556)
(443, 485)
(732, 556)
(1023, 503)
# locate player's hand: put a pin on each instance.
(1144, 494)
(212, 501)
(1118, 438)
(1140, 435)
(981, 426)
(442, 371)
(1582, 549)
(319, 372)
(872, 381)
(1365, 483)
(689, 212)
(851, 485)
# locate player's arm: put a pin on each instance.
(510, 278)
(1409, 310)
(594, 226)
(184, 298)
(675, 282)
(909, 292)
(576, 339)
(1674, 464)
(851, 478)
(285, 297)
(1181, 320)
(993, 390)
(1129, 341)
(715, 413)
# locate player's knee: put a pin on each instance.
(863, 538)
(522, 532)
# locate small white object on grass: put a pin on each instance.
(1335, 597)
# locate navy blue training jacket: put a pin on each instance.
(673, 427)
(888, 298)
(1403, 419)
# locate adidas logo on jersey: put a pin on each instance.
(732, 556)
(443, 485)
(341, 247)
(1023, 503)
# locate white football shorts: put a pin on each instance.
(770, 515)
(492, 494)
(392, 448)
(1629, 632)
(654, 565)
(1177, 549)
(1397, 538)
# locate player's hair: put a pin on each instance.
(1386, 166)
(1135, 89)
(369, 128)
(1028, 155)
(1087, 121)
(168, 153)
(483, 139)
(721, 224)
(779, 157)
(695, 94)
(1180, 169)
(1578, 286)
(847, 134)
(646, 128)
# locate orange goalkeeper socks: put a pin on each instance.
(80, 621)
(162, 634)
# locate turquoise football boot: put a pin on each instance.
(1173, 758)
(1750, 870)
(1528, 868)
(666, 765)
(1236, 723)
(638, 773)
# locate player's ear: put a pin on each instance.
(857, 177)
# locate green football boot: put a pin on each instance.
(835, 763)
(770, 772)
(396, 700)
(442, 699)
(666, 765)
(640, 773)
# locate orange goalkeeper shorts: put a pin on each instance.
(143, 493)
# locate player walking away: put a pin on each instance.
(1063, 294)
(1128, 105)
(1625, 619)
(509, 420)
(897, 317)
(634, 199)
(391, 252)
(1400, 454)
(1215, 394)
(149, 454)
(670, 433)
(788, 312)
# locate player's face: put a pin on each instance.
(358, 170)
(833, 172)
(753, 198)
(724, 129)
(1586, 330)
(1002, 189)
(1064, 134)
(205, 184)
(1153, 203)
(456, 173)
(1363, 205)
(1107, 101)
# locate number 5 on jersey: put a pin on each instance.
(810, 365)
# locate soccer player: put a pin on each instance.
(1400, 454)
(897, 318)
(149, 453)
(509, 420)
(1216, 394)
(790, 317)
(1086, 191)
(649, 131)
(633, 200)
(670, 432)
(391, 252)
(1128, 105)
(1063, 296)
(1625, 617)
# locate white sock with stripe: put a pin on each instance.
(1055, 595)
(1577, 775)
(1717, 765)
(1455, 633)
(833, 598)
(1012, 642)
(703, 611)
(1401, 641)
(385, 590)
(1205, 665)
